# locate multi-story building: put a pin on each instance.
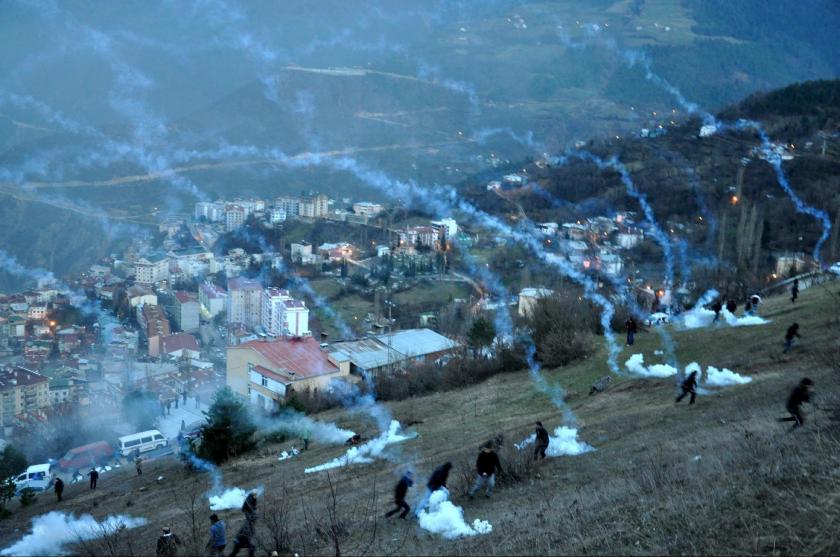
(289, 205)
(151, 269)
(425, 236)
(296, 319)
(273, 310)
(447, 228)
(213, 299)
(244, 302)
(213, 212)
(234, 217)
(140, 294)
(368, 209)
(315, 206)
(22, 392)
(185, 311)
(154, 325)
(266, 372)
(276, 214)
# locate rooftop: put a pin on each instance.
(178, 341)
(20, 377)
(300, 358)
(242, 283)
(417, 342)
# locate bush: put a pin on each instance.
(12, 462)
(27, 497)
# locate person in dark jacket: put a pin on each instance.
(486, 466)
(731, 306)
(792, 332)
(249, 506)
(400, 491)
(94, 475)
(138, 465)
(794, 291)
(218, 541)
(436, 481)
(167, 544)
(58, 488)
(632, 329)
(717, 308)
(244, 539)
(800, 395)
(541, 442)
(689, 386)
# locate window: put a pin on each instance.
(147, 439)
(264, 380)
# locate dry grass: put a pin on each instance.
(720, 477)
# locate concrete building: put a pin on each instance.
(315, 206)
(368, 209)
(289, 205)
(140, 294)
(153, 325)
(273, 311)
(22, 392)
(213, 212)
(185, 311)
(213, 300)
(447, 228)
(266, 372)
(276, 214)
(385, 353)
(234, 217)
(244, 302)
(151, 269)
(296, 318)
(529, 297)
(179, 345)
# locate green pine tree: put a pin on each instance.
(229, 430)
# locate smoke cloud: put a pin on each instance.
(636, 366)
(232, 498)
(447, 519)
(564, 442)
(53, 531)
(368, 452)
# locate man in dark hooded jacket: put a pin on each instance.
(541, 442)
(400, 491)
(436, 481)
(800, 395)
(689, 386)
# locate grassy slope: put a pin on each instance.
(643, 491)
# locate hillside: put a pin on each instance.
(722, 476)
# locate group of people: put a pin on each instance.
(487, 465)
(168, 543)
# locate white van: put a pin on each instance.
(143, 441)
(38, 477)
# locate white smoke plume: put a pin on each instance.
(715, 377)
(231, 498)
(447, 519)
(744, 321)
(295, 424)
(365, 454)
(636, 365)
(53, 531)
(564, 442)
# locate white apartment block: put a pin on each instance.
(151, 270)
(234, 217)
(273, 310)
(244, 302)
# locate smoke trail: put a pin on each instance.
(368, 452)
(53, 531)
(775, 160)
(296, 423)
(712, 125)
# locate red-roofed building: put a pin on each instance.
(176, 345)
(266, 372)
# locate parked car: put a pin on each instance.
(143, 441)
(38, 477)
(86, 456)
